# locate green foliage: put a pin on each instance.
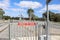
(1, 11)
(35, 17)
(6, 17)
(52, 16)
(15, 18)
(31, 14)
(30, 11)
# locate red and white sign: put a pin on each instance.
(26, 23)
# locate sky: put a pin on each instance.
(16, 8)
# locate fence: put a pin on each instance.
(25, 30)
(28, 30)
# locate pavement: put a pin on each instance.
(4, 30)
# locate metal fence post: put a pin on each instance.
(9, 29)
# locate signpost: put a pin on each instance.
(47, 25)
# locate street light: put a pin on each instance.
(47, 25)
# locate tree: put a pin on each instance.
(48, 1)
(6, 17)
(1, 11)
(51, 16)
(57, 18)
(30, 13)
(15, 18)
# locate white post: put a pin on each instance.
(9, 30)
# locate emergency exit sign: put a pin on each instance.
(26, 23)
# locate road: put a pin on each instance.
(4, 30)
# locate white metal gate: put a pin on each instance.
(31, 30)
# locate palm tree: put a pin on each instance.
(30, 13)
(48, 1)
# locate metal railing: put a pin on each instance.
(11, 31)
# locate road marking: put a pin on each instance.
(3, 29)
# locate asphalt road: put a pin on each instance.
(4, 31)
